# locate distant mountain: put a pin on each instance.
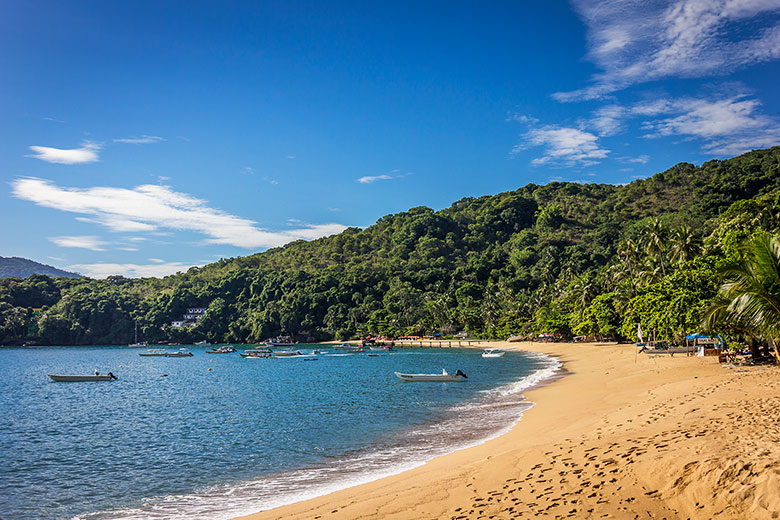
(21, 267)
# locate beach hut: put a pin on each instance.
(704, 345)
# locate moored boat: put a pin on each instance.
(492, 352)
(286, 353)
(136, 343)
(179, 353)
(154, 352)
(224, 349)
(443, 377)
(81, 378)
(280, 341)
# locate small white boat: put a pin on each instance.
(493, 352)
(444, 376)
(286, 353)
(81, 378)
(224, 349)
(154, 352)
(203, 343)
(280, 341)
(136, 343)
(179, 353)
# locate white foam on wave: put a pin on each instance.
(500, 408)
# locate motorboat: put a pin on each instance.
(224, 349)
(82, 378)
(203, 343)
(179, 353)
(444, 376)
(493, 352)
(280, 341)
(255, 355)
(286, 353)
(154, 352)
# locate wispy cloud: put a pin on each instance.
(144, 139)
(728, 126)
(641, 159)
(726, 123)
(86, 154)
(153, 208)
(636, 41)
(368, 179)
(563, 146)
(90, 242)
(104, 270)
(608, 120)
(393, 174)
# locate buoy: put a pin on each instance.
(209, 370)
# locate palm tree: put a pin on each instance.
(684, 245)
(750, 296)
(627, 249)
(655, 241)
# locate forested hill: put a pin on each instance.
(543, 258)
(22, 268)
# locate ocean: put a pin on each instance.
(217, 436)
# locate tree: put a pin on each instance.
(751, 291)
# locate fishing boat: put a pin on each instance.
(81, 378)
(255, 355)
(492, 352)
(224, 349)
(154, 352)
(444, 376)
(286, 353)
(280, 341)
(179, 353)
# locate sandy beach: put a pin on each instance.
(619, 436)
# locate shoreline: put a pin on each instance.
(619, 435)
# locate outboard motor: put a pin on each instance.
(460, 373)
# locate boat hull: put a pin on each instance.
(78, 378)
(425, 378)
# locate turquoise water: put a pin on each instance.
(247, 435)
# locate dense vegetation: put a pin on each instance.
(569, 258)
(22, 268)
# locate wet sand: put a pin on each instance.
(620, 436)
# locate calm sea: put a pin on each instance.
(216, 436)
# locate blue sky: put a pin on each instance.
(146, 137)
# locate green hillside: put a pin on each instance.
(22, 268)
(561, 257)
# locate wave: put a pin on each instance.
(464, 425)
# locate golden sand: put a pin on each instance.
(622, 436)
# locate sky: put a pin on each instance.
(142, 138)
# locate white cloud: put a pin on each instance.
(85, 242)
(392, 174)
(156, 270)
(636, 41)
(156, 260)
(728, 126)
(368, 179)
(563, 146)
(608, 120)
(641, 159)
(144, 139)
(86, 154)
(151, 208)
